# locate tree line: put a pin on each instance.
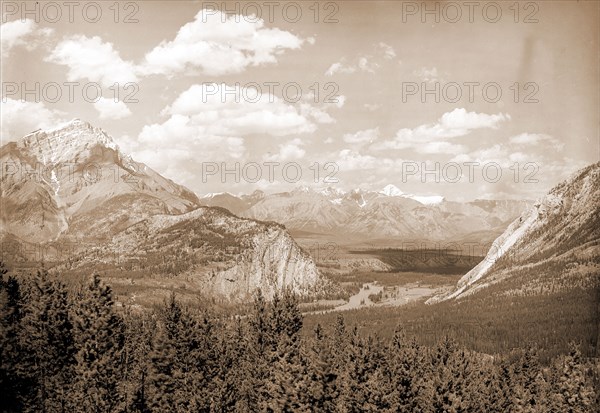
(65, 350)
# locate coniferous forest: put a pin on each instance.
(75, 350)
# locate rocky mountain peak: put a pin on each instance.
(68, 142)
(391, 190)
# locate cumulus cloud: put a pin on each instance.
(528, 139)
(111, 109)
(205, 124)
(178, 146)
(340, 67)
(367, 63)
(388, 51)
(363, 136)
(21, 33)
(428, 75)
(291, 150)
(220, 109)
(92, 59)
(21, 117)
(427, 138)
(217, 44)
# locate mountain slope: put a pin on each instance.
(234, 204)
(71, 192)
(214, 251)
(74, 181)
(553, 245)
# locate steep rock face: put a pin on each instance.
(560, 231)
(222, 255)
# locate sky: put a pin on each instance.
(461, 99)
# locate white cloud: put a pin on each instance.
(178, 147)
(363, 64)
(92, 59)
(111, 109)
(372, 107)
(528, 139)
(349, 160)
(318, 114)
(363, 136)
(367, 63)
(340, 67)
(21, 33)
(388, 51)
(216, 44)
(205, 124)
(460, 121)
(341, 101)
(291, 150)
(427, 138)
(21, 117)
(428, 75)
(367, 66)
(220, 109)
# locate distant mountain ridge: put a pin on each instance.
(389, 213)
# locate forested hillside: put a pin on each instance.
(76, 351)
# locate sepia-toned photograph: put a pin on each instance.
(321, 206)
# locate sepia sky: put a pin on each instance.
(194, 69)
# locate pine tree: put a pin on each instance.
(570, 391)
(287, 378)
(449, 374)
(139, 335)
(100, 339)
(48, 346)
(10, 350)
(404, 372)
(358, 378)
(322, 386)
(184, 361)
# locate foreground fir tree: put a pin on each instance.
(570, 391)
(100, 338)
(286, 382)
(184, 361)
(11, 352)
(46, 336)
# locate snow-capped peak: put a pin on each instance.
(214, 194)
(329, 191)
(427, 200)
(391, 190)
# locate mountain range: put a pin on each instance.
(71, 191)
(388, 214)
